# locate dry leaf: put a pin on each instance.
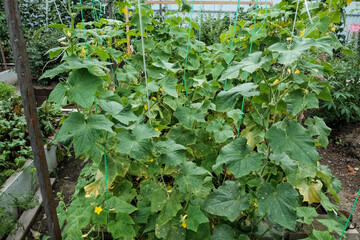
(351, 170)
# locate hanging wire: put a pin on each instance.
(308, 12)
(200, 29)
(58, 13)
(293, 28)
(187, 53)
(97, 18)
(232, 40)
(144, 62)
(247, 73)
(263, 22)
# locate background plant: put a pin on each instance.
(345, 83)
(8, 222)
(14, 140)
(175, 168)
(6, 91)
(21, 203)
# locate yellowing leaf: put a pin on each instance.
(310, 192)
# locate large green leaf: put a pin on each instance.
(320, 23)
(217, 70)
(320, 235)
(84, 132)
(171, 153)
(119, 206)
(187, 116)
(332, 225)
(127, 74)
(224, 232)
(82, 87)
(78, 63)
(51, 73)
(253, 62)
(221, 130)
(58, 94)
(279, 203)
(129, 144)
(293, 139)
(170, 231)
(144, 131)
(317, 127)
(226, 100)
(169, 86)
(192, 179)
(74, 234)
(120, 113)
(182, 135)
(299, 101)
(170, 208)
(238, 159)
(285, 162)
(227, 201)
(203, 232)
(306, 214)
(116, 165)
(195, 218)
(288, 55)
(172, 67)
(119, 229)
(232, 72)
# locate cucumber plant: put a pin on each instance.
(161, 169)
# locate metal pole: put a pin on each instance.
(28, 98)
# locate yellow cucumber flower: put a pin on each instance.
(98, 210)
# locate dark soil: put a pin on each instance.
(343, 158)
(66, 175)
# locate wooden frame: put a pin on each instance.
(210, 2)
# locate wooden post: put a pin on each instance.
(127, 29)
(18, 46)
(3, 55)
(110, 8)
(160, 9)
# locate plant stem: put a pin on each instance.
(262, 218)
(263, 234)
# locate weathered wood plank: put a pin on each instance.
(210, 2)
(18, 46)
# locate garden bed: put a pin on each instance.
(24, 181)
(67, 174)
(42, 93)
(343, 158)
